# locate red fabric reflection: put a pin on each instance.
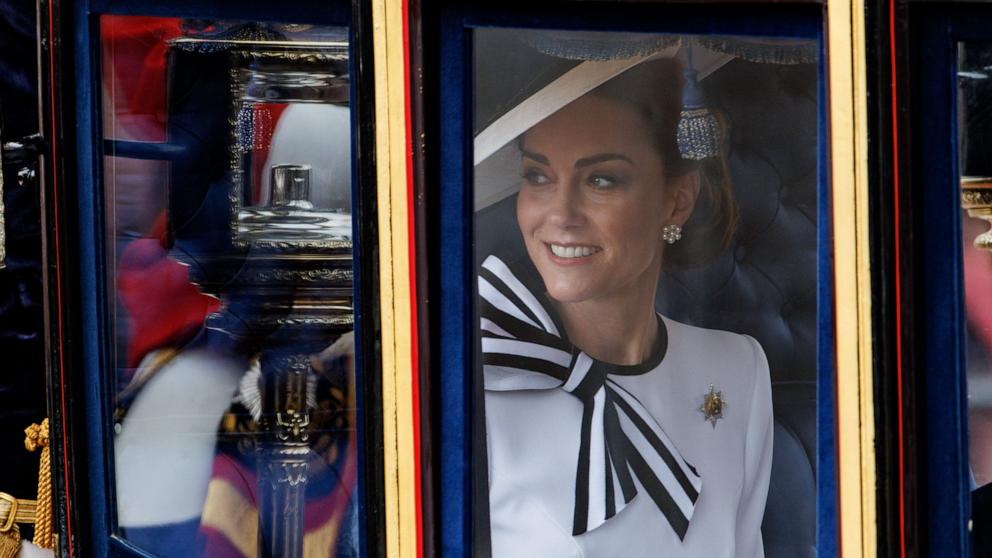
(164, 307)
(978, 305)
(134, 73)
(978, 297)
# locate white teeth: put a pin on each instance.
(573, 251)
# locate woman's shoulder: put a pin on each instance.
(727, 358)
(713, 342)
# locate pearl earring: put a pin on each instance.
(671, 233)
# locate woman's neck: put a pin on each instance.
(621, 329)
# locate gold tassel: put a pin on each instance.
(10, 542)
(37, 437)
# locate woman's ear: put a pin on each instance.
(684, 190)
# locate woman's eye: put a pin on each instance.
(536, 177)
(602, 181)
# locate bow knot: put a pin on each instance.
(622, 449)
(36, 436)
(584, 379)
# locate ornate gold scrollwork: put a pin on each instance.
(976, 198)
(306, 321)
(293, 474)
(339, 275)
(292, 426)
(314, 56)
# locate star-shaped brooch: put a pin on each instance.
(713, 406)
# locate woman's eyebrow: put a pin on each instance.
(535, 156)
(592, 160)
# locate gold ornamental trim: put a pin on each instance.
(37, 512)
(848, 144)
(14, 510)
(339, 275)
(36, 439)
(974, 198)
(396, 296)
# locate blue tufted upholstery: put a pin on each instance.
(764, 285)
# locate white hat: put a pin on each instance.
(603, 55)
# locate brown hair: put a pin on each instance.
(654, 91)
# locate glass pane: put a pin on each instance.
(646, 241)
(975, 95)
(227, 195)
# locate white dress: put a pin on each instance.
(533, 438)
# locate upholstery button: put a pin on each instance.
(740, 253)
(786, 310)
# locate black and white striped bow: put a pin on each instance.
(523, 349)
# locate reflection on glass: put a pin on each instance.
(646, 224)
(977, 274)
(975, 133)
(227, 179)
(281, 110)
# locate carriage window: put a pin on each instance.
(227, 181)
(646, 224)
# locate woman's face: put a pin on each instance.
(593, 202)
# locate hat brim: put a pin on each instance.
(495, 154)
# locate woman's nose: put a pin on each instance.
(567, 210)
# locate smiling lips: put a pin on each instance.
(572, 252)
